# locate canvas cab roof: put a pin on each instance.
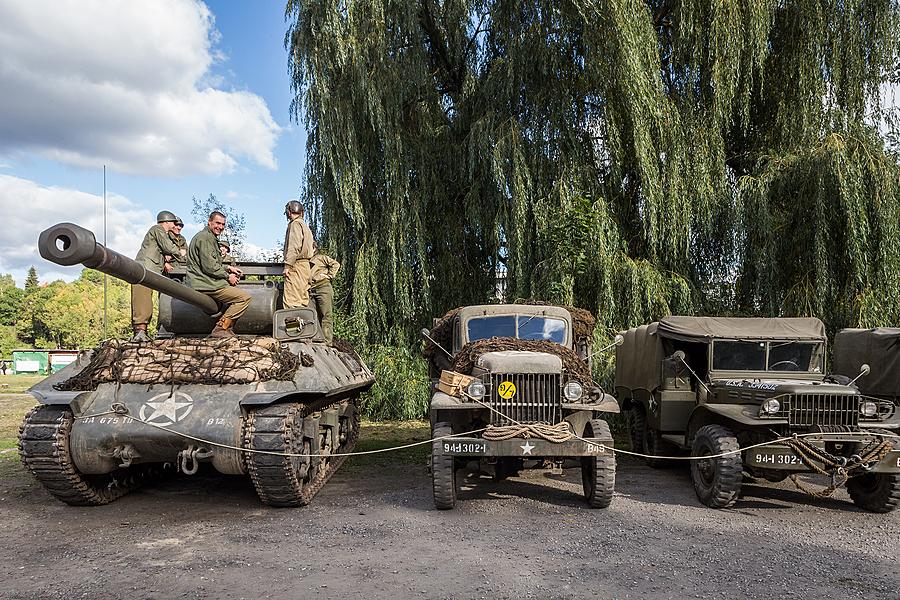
(752, 328)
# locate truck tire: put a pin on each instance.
(717, 481)
(598, 473)
(875, 492)
(646, 440)
(443, 471)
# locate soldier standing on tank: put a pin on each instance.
(323, 270)
(208, 275)
(156, 245)
(298, 250)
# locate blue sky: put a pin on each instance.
(55, 139)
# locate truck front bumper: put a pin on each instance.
(522, 447)
(781, 457)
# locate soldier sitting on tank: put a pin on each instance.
(156, 245)
(208, 275)
(180, 241)
(224, 250)
(323, 269)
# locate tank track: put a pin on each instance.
(44, 449)
(285, 481)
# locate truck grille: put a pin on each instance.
(810, 410)
(537, 398)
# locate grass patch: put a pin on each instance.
(377, 435)
(17, 384)
(12, 410)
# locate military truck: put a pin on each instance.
(528, 399)
(879, 348)
(712, 386)
(275, 403)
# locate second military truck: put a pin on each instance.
(719, 387)
(524, 389)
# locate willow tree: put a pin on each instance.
(635, 158)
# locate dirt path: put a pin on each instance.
(373, 533)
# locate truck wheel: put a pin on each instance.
(875, 492)
(443, 471)
(598, 473)
(717, 481)
(646, 440)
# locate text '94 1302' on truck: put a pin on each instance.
(716, 386)
(516, 391)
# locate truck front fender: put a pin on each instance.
(727, 414)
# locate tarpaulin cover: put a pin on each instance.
(880, 349)
(639, 358)
(754, 328)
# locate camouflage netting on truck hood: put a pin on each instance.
(185, 361)
(465, 360)
(583, 324)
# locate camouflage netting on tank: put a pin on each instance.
(465, 360)
(184, 361)
(583, 324)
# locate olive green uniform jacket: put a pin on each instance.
(206, 273)
(156, 244)
(182, 244)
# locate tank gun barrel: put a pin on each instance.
(68, 244)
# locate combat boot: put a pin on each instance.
(223, 328)
(140, 333)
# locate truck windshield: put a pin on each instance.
(524, 327)
(733, 355)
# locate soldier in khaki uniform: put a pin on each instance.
(298, 250)
(207, 274)
(323, 269)
(156, 245)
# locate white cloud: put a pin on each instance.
(27, 208)
(126, 84)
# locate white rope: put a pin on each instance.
(603, 447)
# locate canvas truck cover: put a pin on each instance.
(639, 358)
(698, 329)
(880, 349)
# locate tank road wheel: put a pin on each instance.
(44, 448)
(646, 440)
(443, 471)
(598, 473)
(875, 492)
(717, 481)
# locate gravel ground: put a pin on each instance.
(373, 532)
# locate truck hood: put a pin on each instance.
(783, 386)
(519, 361)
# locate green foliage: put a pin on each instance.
(8, 341)
(11, 299)
(634, 158)
(402, 390)
(235, 222)
(31, 281)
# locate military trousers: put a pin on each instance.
(234, 299)
(322, 298)
(296, 285)
(141, 304)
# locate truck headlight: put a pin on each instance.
(573, 391)
(770, 406)
(476, 390)
(868, 409)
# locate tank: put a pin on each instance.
(275, 403)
